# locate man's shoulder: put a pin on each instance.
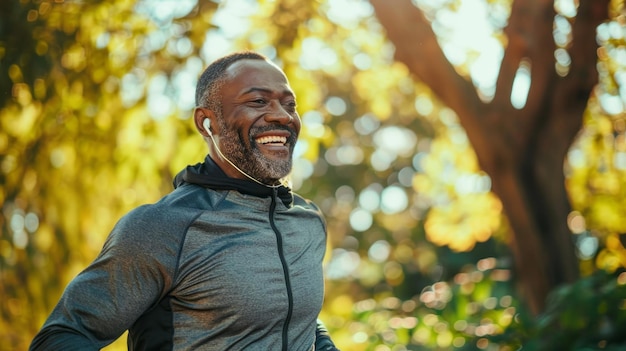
(189, 197)
(299, 200)
(174, 210)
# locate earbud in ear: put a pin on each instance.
(207, 125)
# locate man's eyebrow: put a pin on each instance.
(267, 91)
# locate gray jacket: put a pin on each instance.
(218, 264)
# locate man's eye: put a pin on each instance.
(259, 101)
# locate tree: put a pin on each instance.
(522, 149)
(78, 147)
(94, 107)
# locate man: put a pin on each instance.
(231, 259)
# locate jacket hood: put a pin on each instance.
(209, 175)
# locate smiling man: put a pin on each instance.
(229, 260)
(256, 121)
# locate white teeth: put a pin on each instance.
(271, 139)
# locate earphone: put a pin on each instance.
(207, 125)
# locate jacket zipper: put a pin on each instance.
(283, 261)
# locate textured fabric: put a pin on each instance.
(323, 342)
(202, 269)
(197, 174)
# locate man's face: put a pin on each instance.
(259, 125)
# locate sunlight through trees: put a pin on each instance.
(438, 151)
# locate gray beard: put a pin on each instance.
(250, 159)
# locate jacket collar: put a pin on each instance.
(209, 175)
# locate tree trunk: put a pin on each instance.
(522, 150)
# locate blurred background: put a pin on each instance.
(469, 155)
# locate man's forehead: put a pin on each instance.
(246, 65)
(256, 73)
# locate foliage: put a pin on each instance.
(78, 147)
(94, 107)
(461, 314)
(596, 162)
(587, 315)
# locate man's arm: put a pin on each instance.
(127, 278)
(60, 338)
(323, 342)
(91, 313)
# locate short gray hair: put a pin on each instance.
(212, 79)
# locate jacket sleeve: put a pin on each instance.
(130, 275)
(323, 342)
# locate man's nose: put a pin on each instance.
(279, 114)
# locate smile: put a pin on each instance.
(272, 139)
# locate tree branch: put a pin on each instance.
(417, 47)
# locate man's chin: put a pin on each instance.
(273, 175)
(276, 155)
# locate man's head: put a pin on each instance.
(209, 83)
(252, 114)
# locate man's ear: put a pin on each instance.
(199, 115)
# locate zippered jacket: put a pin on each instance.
(217, 264)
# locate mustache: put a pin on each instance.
(291, 139)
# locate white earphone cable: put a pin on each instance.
(206, 127)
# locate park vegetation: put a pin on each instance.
(474, 188)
